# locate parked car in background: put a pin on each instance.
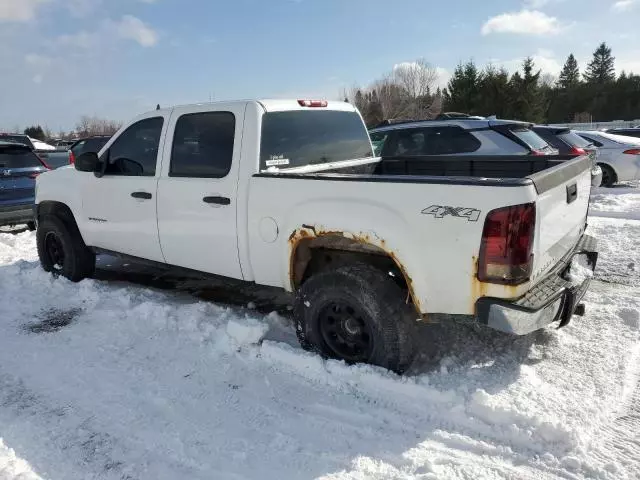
(619, 156)
(88, 144)
(462, 136)
(41, 146)
(568, 142)
(19, 167)
(626, 132)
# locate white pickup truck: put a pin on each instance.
(288, 194)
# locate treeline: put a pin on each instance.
(85, 127)
(596, 94)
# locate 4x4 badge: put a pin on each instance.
(440, 211)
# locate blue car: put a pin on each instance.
(19, 167)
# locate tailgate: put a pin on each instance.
(562, 207)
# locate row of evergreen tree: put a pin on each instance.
(597, 94)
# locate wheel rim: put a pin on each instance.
(345, 332)
(55, 252)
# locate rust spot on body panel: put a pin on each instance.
(299, 252)
(482, 289)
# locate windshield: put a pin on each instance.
(574, 140)
(531, 138)
(18, 157)
(300, 138)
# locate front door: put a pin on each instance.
(198, 188)
(120, 207)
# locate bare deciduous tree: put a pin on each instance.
(88, 126)
(404, 93)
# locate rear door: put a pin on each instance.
(197, 208)
(19, 167)
(562, 206)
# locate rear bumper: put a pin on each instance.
(16, 214)
(554, 299)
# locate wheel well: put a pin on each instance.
(58, 209)
(312, 255)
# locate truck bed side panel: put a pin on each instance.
(433, 230)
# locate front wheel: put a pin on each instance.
(356, 313)
(62, 250)
(608, 176)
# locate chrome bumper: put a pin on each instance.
(554, 299)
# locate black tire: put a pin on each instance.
(62, 250)
(609, 177)
(369, 310)
(31, 226)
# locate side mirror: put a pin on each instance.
(87, 162)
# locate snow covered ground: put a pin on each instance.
(109, 380)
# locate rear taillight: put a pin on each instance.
(577, 151)
(506, 251)
(313, 103)
(632, 151)
(72, 157)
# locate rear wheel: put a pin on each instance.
(609, 177)
(62, 251)
(31, 226)
(356, 313)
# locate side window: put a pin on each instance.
(135, 151)
(377, 140)
(410, 142)
(589, 139)
(450, 141)
(203, 145)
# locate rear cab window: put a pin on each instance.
(299, 138)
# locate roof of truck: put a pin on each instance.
(270, 105)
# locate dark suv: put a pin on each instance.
(89, 144)
(464, 136)
(19, 167)
(569, 142)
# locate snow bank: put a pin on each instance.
(14, 468)
(110, 381)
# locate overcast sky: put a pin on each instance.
(60, 59)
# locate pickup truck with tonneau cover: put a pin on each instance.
(288, 194)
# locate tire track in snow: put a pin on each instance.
(620, 441)
(81, 442)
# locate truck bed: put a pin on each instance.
(492, 166)
(544, 172)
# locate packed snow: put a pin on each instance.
(111, 380)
